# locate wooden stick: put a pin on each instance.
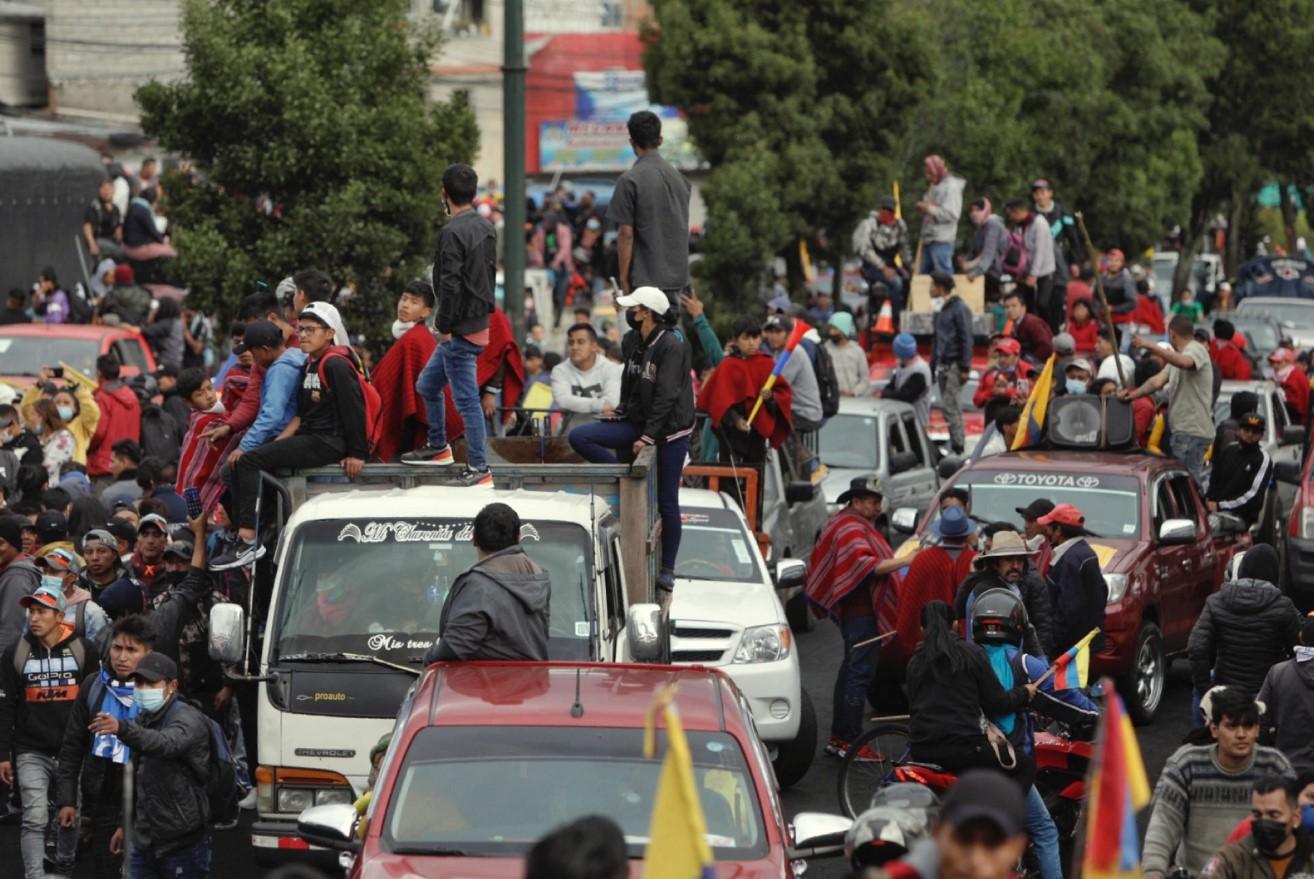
(874, 640)
(1104, 301)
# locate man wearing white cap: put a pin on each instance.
(656, 409)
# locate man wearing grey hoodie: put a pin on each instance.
(18, 578)
(941, 207)
(498, 609)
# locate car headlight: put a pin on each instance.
(333, 796)
(1307, 523)
(295, 800)
(763, 644)
(1117, 584)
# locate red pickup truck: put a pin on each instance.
(1161, 554)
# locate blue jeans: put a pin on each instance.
(1190, 450)
(1044, 836)
(937, 258)
(453, 362)
(854, 676)
(600, 443)
(192, 862)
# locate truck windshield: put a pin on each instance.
(850, 441)
(495, 790)
(1111, 504)
(377, 587)
(715, 546)
(25, 355)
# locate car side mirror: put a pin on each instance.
(901, 462)
(645, 632)
(227, 630)
(800, 492)
(1288, 471)
(948, 466)
(904, 520)
(1175, 532)
(1292, 435)
(818, 835)
(791, 573)
(332, 826)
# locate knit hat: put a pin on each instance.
(905, 346)
(123, 274)
(1260, 562)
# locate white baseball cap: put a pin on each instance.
(649, 297)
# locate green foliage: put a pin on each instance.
(313, 144)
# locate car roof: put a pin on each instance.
(702, 497)
(544, 693)
(428, 501)
(68, 331)
(1256, 385)
(871, 406)
(1064, 460)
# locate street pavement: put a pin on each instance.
(820, 652)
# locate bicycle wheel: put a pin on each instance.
(859, 780)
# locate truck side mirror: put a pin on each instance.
(1175, 532)
(1288, 471)
(791, 573)
(332, 826)
(645, 632)
(902, 462)
(1292, 435)
(949, 465)
(226, 633)
(904, 520)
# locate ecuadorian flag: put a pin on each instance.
(1032, 423)
(677, 839)
(1072, 669)
(1118, 789)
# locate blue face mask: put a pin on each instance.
(65, 412)
(1307, 818)
(1075, 386)
(55, 583)
(148, 700)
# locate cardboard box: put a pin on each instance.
(921, 323)
(971, 290)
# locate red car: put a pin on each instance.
(25, 348)
(487, 757)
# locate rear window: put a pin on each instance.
(1111, 504)
(25, 355)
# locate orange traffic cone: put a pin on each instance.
(885, 320)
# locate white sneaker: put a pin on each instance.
(248, 802)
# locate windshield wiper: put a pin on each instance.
(347, 657)
(435, 850)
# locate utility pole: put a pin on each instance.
(513, 204)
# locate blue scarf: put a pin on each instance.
(1003, 670)
(117, 703)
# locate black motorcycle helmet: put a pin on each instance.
(998, 617)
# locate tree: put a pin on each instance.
(312, 143)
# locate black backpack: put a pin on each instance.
(221, 788)
(160, 435)
(79, 309)
(827, 381)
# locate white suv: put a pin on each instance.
(725, 613)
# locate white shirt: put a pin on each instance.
(582, 392)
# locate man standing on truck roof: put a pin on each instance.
(657, 409)
(498, 609)
(1190, 382)
(464, 275)
(330, 427)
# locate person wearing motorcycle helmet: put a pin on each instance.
(884, 834)
(998, 623)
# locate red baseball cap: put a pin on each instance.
(1063, 514)
(1008, 345)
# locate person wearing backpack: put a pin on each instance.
(18, 578)
(990, 246)
(93, 764)
(63, 568)
(172, 750)
(161, 434)
(333, 425)
(41, 675)
(1038, 278)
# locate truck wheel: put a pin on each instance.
(1144, 684)
(799, 614)
(794, 758)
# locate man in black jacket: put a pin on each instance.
(1240, 472)
(464, 273)
(498, 609)
(656, 409)
(951, 354)
(330, 427)
(1077, 589)
(170, 742)
(1288, 700)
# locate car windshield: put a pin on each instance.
(1298, 312)
(715, 546)
(1262, 334)
(25, 355)
(1111, 504)
(495, 790)
(849, 441)
(377, 587)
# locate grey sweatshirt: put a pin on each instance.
(1039, 243)
(17, 579)
(496, 610)
(574, 390)
(941, 223)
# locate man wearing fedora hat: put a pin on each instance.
(850, 580)
(1003, 565)
(933, 575)
(1076, 584)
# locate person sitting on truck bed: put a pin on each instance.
(587, 384)
(498, 609)
(329, 427)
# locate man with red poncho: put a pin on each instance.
(730, 391)
(853, 579)
(498, 371)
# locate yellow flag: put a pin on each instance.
(677, 838)
(1032, 423)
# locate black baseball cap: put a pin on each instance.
(122, 529)
(1037, 508)
(155, 667)
(260, 334)
(153, 520)
(180, 548)
(51, 526)
(1253, 421)
(979, 795)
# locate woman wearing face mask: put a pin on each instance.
(74, 404)
(57, 442)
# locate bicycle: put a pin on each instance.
(860, 780)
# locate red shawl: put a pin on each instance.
(394, 378)
(404, 417)
(739, 380)
(847, 552)
(933, 575)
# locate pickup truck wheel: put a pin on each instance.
(1144, 684)
(799, 614)
(794, 758)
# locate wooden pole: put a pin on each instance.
(1104, 302)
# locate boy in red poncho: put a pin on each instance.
(395, 375)
(200, 461)
(732, 388)
(852, 579)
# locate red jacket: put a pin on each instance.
(120, 419)
(1019, 384)
(1231, 364)
(1296, 388)
(1084, 335)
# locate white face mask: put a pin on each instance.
(217, 408)
(400, 327)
